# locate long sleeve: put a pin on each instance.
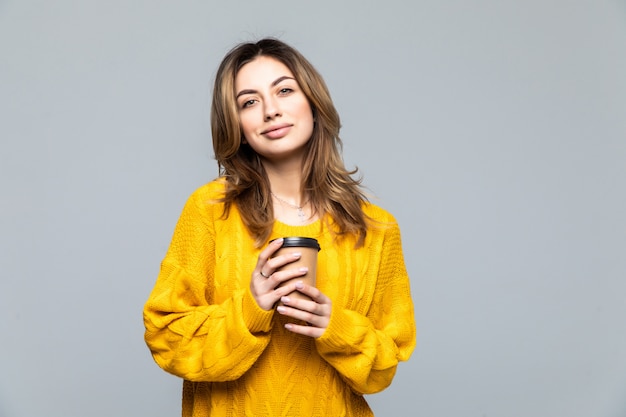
(365, 348)
(188, 335)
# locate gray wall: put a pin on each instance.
(495, 131)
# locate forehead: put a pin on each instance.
(260, 72)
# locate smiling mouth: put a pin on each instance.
(276, 129)
(277, 132)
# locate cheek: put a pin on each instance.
(305, 112)
(309, 118)
(246, 124)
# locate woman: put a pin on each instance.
(218, 317)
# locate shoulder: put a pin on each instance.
(383, 233)
(382, 226)
(209, 193)
(378, 214)
(206, 200)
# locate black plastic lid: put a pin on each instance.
(300, 242)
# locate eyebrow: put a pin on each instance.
(274, 84)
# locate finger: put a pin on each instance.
(305, 311)
(309, 311)
(301, 318)
(278, 262)
(277, 285)
(310, 331)
(266, 253)
(295, 313)
(267, 264)
(281, 274)
(314, 293)
(267, 292)
(290, 274)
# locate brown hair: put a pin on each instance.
(331, 188)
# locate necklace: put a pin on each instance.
(301, 214)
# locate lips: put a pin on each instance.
(277, 131)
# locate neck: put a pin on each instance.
(285, 184)
(291, 204)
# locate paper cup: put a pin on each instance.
(308, 247)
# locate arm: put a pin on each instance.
(188, 335)
(366, 349)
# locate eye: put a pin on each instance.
(285, 90)
(247, 103)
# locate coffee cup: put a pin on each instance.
(308, 248)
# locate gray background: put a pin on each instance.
(495, 131)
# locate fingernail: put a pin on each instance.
(285, 299)
(280, 309)
(288, 326)
(303, 269)
(296, 254)
(279, 241)
(299, 285)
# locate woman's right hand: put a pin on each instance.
(266, 278)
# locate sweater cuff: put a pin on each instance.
(256, 319)
(345, 330)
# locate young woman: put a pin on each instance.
(218, 316)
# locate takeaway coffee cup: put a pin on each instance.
(309, 248)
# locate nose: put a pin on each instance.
(271, 109)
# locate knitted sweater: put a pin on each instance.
(203, 324)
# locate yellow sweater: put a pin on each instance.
(203, 325)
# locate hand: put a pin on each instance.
(316, 313)
(265, 277)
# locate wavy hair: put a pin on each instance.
(332, 189)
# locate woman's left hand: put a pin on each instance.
(316, 313)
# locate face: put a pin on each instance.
(275, 115)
